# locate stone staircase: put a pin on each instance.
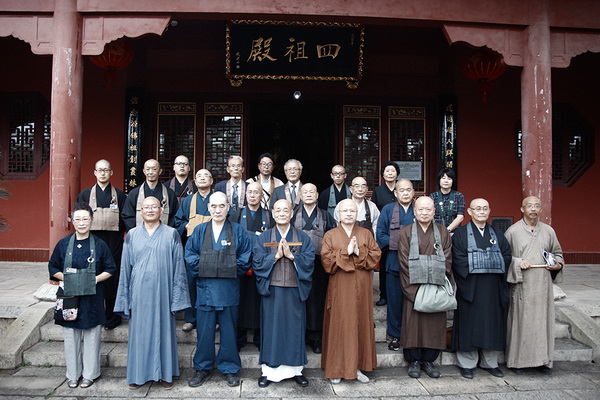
(49, 350)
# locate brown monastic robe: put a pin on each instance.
(421, 330)
(348, 333)
(530, 324)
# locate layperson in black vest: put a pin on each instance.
(181, 184)
(382, 195)
(255, 219)
(368, 213)
(480, 260)
(107, 202)
(291, 190)
(338, 191)
(314, 221)
(266, 164)
(132, 209)
(193, 212)
(217, 254)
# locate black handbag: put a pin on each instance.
(67, 307)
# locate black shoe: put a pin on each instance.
(497, 372)
(394, 344)
(381, 302)
(466, 372)
(263, 382)
(430, 370)
(301, 380)
(316, 346)
(517, 371)
(199, 378)
(232, 379)
(414, 370)
(544, 369)
(112, 324)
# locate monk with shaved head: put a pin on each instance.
(537, 261)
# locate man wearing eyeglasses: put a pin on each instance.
(181, 183)
(267, 181)
(235, 187)
(338, 191)
(480, 259)
(537, 260)
(368, 213)
(291, 190)
(107, 202)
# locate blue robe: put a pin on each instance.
(152, 287)
(283, 311)
(392, 267)
(217, 300)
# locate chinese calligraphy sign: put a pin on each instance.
(294, 51)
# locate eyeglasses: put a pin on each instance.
(338, 173)
(203, 176)
(182, 164)
(266, 164)
(152, 207)
(85, 220)
(480, 209)
(103, 170)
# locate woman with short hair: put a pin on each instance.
(81, 262)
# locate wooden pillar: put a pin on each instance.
(66, 108)
(536, 111)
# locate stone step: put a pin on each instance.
(51, 353)
(53, 332)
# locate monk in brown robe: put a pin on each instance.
(350, 254)
(423, 335)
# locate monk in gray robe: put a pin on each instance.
(537, 259)
(152, 289)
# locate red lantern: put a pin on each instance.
(484, 66)
(116, 55)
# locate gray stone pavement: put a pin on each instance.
(569, 380)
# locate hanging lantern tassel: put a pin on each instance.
(116, 55)
(483, 66)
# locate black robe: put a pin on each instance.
(315, 304)
(480, 319)
(249, 308)
(129, 209)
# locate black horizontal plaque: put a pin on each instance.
(294, 50)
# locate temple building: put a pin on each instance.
(503, 92)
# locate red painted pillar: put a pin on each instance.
(536, 111)
(66, 105)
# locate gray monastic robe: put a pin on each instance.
(152, 287)
(530, 325)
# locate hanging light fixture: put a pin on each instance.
(116, 55)
(484, 66)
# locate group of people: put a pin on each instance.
(295, 267)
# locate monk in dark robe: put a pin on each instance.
(349, 254)
(423, 335)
